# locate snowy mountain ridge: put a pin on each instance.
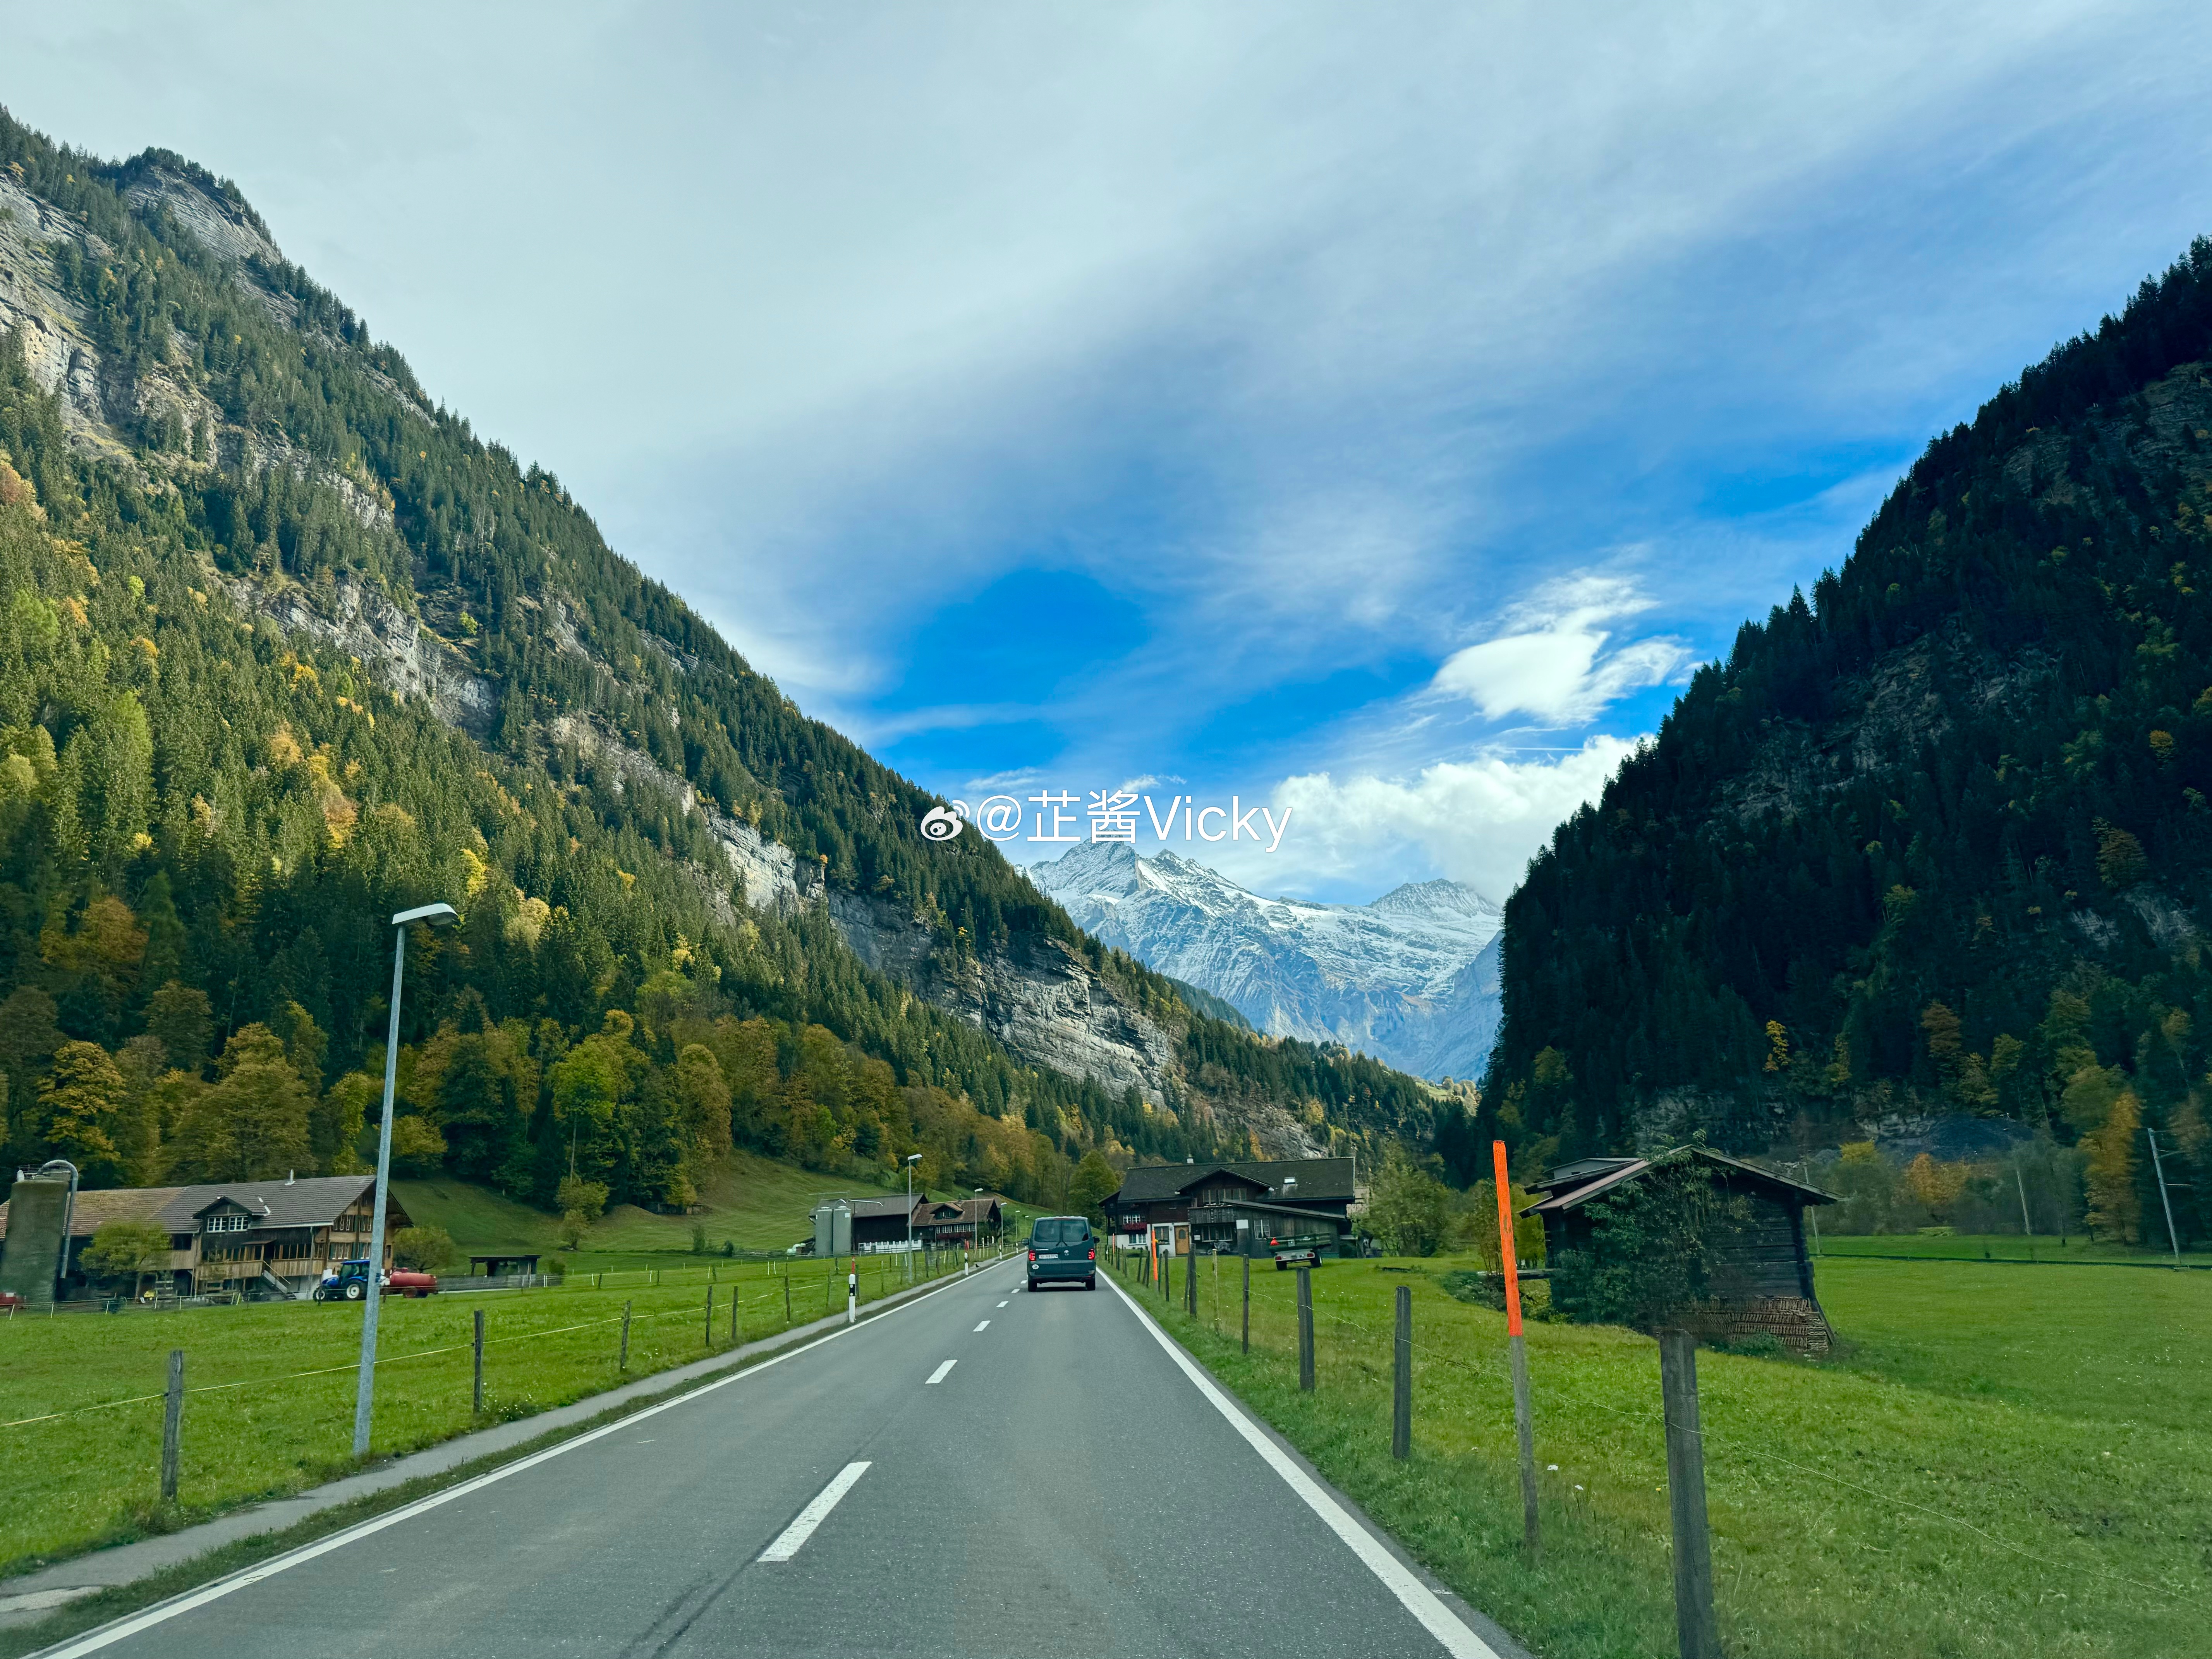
(1411, 978)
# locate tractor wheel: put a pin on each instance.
(356, 1291)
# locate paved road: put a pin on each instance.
(1066, 1487)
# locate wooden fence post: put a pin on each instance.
(1190, 1281)
(708, 1337)
(1695, 1627)
(624, 1364)
(786, 1295)
(173, 1426)
(1523, 1427)
(1305, 1331)
(734, 1288)
(1248, 1303)
(479, 1362)
(1402, 1379)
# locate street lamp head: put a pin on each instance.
(435, 915)
(914, 1157)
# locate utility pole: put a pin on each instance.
(2026, 1226)
(2158, 1168)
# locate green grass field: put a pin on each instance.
(2000, 1461)
(2000, 1247)
(756, 1203)
(271, 1410)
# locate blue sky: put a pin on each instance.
(1375, 411)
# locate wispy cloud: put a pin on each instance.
(1551, 659)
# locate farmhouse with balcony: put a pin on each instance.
(1277, 1199)
(1761, 1275)
(276, 1236)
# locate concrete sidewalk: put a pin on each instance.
(33, 1595)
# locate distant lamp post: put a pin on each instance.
(912, 1159)
(976, 1225)
(364, 1402)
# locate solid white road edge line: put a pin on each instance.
(791, 1537)
(937, 1376)
(1418, 1598)
(107, 1635)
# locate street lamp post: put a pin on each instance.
(912, 1159)
(975, 1226)
(364, 1400)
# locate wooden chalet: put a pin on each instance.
(1276, 1199)
(1762, 1280)
(945, 1221)
(887, 1224)
(271, 1237)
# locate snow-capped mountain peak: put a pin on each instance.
(1411, 978)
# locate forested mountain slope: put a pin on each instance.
(1939, 839)
(288, 648)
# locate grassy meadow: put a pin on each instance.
(1999, 1461)
(269, 1410)
(756, 1203)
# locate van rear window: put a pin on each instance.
(1062, 1230)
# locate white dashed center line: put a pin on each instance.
(937, 1376)
(788, 1541)
(1002, 1305)
(985, 1326)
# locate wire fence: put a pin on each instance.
(1353, 1359)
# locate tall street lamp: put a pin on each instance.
(364, 1400)
(913, 1158)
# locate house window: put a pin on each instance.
(224, 1223)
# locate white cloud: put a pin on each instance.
(1555, 665)
(1477, 821)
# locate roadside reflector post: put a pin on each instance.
(623, 1365)
(478, 1396)
(1402, 1379)
(1522, 1429)
(172, 1425)
(851, 1296)
(1247, 1338)
(1695, 1626)
(1305, 1331)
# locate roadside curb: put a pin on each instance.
(31, 1598)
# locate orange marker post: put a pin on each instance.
(1521, 1426)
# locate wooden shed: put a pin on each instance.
(1761, 1277)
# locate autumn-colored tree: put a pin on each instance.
(127, 1251)
(252, 1125)
(1935, 1187)
(83, 1099)
(2115, 1205)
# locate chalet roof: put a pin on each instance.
(1318, 1178)
(310, 1202)
(1569, 1195)
(1581, 1171)
(94, 1211)
(898, 1205)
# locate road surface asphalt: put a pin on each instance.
(1041, 1476)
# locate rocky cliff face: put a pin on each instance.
(1040, 998)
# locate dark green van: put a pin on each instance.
(1063, 1247)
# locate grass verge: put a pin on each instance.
(1950, 1485)
(271, 1412)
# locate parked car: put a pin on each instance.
(1062, 1249)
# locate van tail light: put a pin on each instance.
(1032, 1258)
(1094, 1253)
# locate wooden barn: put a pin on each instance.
(1761, 1277)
